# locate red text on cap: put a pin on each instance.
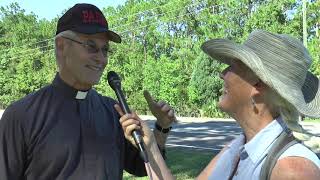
(93, 17)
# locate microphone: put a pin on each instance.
(115, 83)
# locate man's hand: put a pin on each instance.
(161, 110)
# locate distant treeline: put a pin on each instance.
(160, 51)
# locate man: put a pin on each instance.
(67, 130)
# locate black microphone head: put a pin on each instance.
(114, 80)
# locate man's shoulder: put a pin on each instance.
(26, 101)
(33, 95)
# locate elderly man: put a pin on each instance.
(67, 130)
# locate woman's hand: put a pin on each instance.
(161, 110)
(130, 122)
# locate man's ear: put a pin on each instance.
(60, 49)
(59, 43)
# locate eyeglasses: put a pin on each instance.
(91, 47)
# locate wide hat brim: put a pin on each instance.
(306, 99)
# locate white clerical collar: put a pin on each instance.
(81, 94)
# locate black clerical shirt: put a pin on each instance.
(62, 134)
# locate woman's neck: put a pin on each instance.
(253, 122)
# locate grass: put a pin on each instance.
(184, 164)
(311, 120)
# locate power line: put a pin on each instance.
(149, 10)
(16, 47)
(123, 32)
(162, 21)
(20, 52)
(141, 12)
(120, 18)
(158, 15)
(126, 30)
(154, 16)
(19, 57)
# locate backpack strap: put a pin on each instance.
(284, 141)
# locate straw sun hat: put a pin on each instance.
(280, 61)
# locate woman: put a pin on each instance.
(266, 86)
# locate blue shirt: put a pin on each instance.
(253, 154)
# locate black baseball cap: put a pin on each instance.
(86, 19)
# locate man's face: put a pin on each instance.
(83, 64)
(238, 82)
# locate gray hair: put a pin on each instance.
(287, 111)
(67, 33)
(290, 115)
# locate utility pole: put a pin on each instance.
(317, 30)
(305, 34)
(304, 17)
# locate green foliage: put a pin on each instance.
(160, 51)
(25, 63)
(205, 85)
(313, 120)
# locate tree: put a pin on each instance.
(160, 49)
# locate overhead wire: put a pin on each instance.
(122, 31)
(150, 17)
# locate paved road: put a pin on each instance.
(210, 135)
(206, 136)
(203, 134)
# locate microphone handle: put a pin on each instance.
(122, 101)
(136, 134)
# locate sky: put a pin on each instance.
(50, 9)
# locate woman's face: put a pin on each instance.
(238, 83)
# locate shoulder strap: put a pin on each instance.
(284, 141)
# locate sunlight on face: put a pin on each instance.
(237, 87)
(85, 60)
